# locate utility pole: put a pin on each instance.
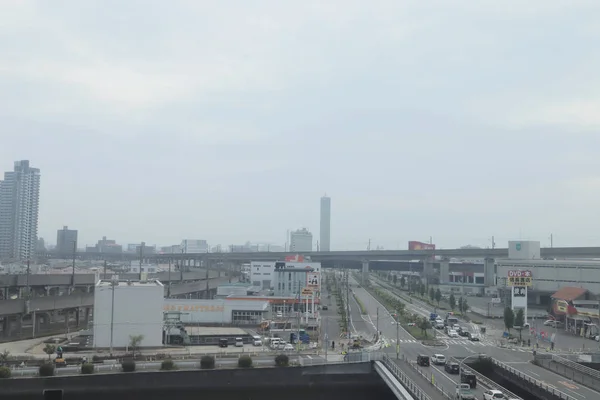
(73, 274)
(348, 302)
(377, 325)
(551, 241)
(493, 243)
(397, 336)
(104, 274)
(27, 282)
(141, 257)
(169, 287)
(298, 304)
(326, 338)
(369, 246)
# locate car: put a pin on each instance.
(452, 333)
(474, 337)
(493, 394)
(324, 308)
(553, 323)
(288, 347)
(423, 360)
(412, 324)
(438, 359)
(463, 331)
(452, 367)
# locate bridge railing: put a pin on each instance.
(428, 378)
(487, 381)
(533, 381)
(408, 383)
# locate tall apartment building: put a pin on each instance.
(325, 228)
(66, 241)
(19, 206)
(301, 240)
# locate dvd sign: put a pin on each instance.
(519, 278)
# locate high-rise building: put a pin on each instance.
(66, 241)
(301, 240)
(325, 230)
(19, 205)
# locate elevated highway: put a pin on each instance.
(343, 256)
(79, 300)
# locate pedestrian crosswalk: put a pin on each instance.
(483, 343)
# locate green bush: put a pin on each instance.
(282, 360)
(128, 366)
(245, 361)
(207, 362)
(87, 368)
(167, 365)
(4, 372)
(46, 370)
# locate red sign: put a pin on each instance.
(296, 258)
(413, 245)
(519, 274)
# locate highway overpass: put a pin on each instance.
(340, 256)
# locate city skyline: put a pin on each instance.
(453, 122)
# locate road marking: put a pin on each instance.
(569, 385)
(309, 357)
(531, 372)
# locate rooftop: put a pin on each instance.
(569, 293)
(214, 331)
(108, 283)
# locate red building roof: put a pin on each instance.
(569, 293)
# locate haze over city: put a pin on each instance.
(158, 121)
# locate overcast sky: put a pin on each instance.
(228, 120)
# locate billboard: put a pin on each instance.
(413, 245)
(519, 278)
(306, 292)
(295, 258)
(312, 280)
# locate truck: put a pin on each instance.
(463, 392)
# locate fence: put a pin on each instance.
(485, 381)
(432, 382)
(570, 369)
(408, 383)
(533, 381)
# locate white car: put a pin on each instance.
(288, 347)
(493, 395)
(438, 359)
(452, 333)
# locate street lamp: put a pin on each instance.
(460, 365)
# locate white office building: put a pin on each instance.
(19, 204)
(128, 309)
(261, 274)
(301, 240)
(325, 228)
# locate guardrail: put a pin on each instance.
(570, 369)
(576, 366)
(408, 383)
(487, 381)
(533, 381)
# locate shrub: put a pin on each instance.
(167, 365)
(46, 370)
(4, 372)
(207, 362)
(96, 358)
(245, 361)
(128, 366)
(282, 360)
(87, 368)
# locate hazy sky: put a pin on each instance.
(228, 120)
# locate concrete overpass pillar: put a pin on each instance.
(6, 326)
(444, 271)
(77, 315)
(489, 272)
(365, 272)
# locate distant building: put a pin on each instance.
(41, 245)
(131, 248)
(19, 205)
(66, 241)
(144, 249)
(173, 249)
(325, 227)
(194, 246)
(301, 240)
(105, 246)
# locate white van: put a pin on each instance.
(239, 342)
(256, 340)
(274, 342)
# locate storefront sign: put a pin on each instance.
(196, 308)
(307, 292)
(519, 278)
(312, 279)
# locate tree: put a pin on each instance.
(402, 281)
(452, 301)
(422, 289)
(438, 296)
(509, 318)
(431, 293)
(424, 325)
(4, 356)
(49, 349)
(464, 306)
(395, 279)
(460, 304)
(519, 322)
(134, 342)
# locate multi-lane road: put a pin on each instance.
(409, 348)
